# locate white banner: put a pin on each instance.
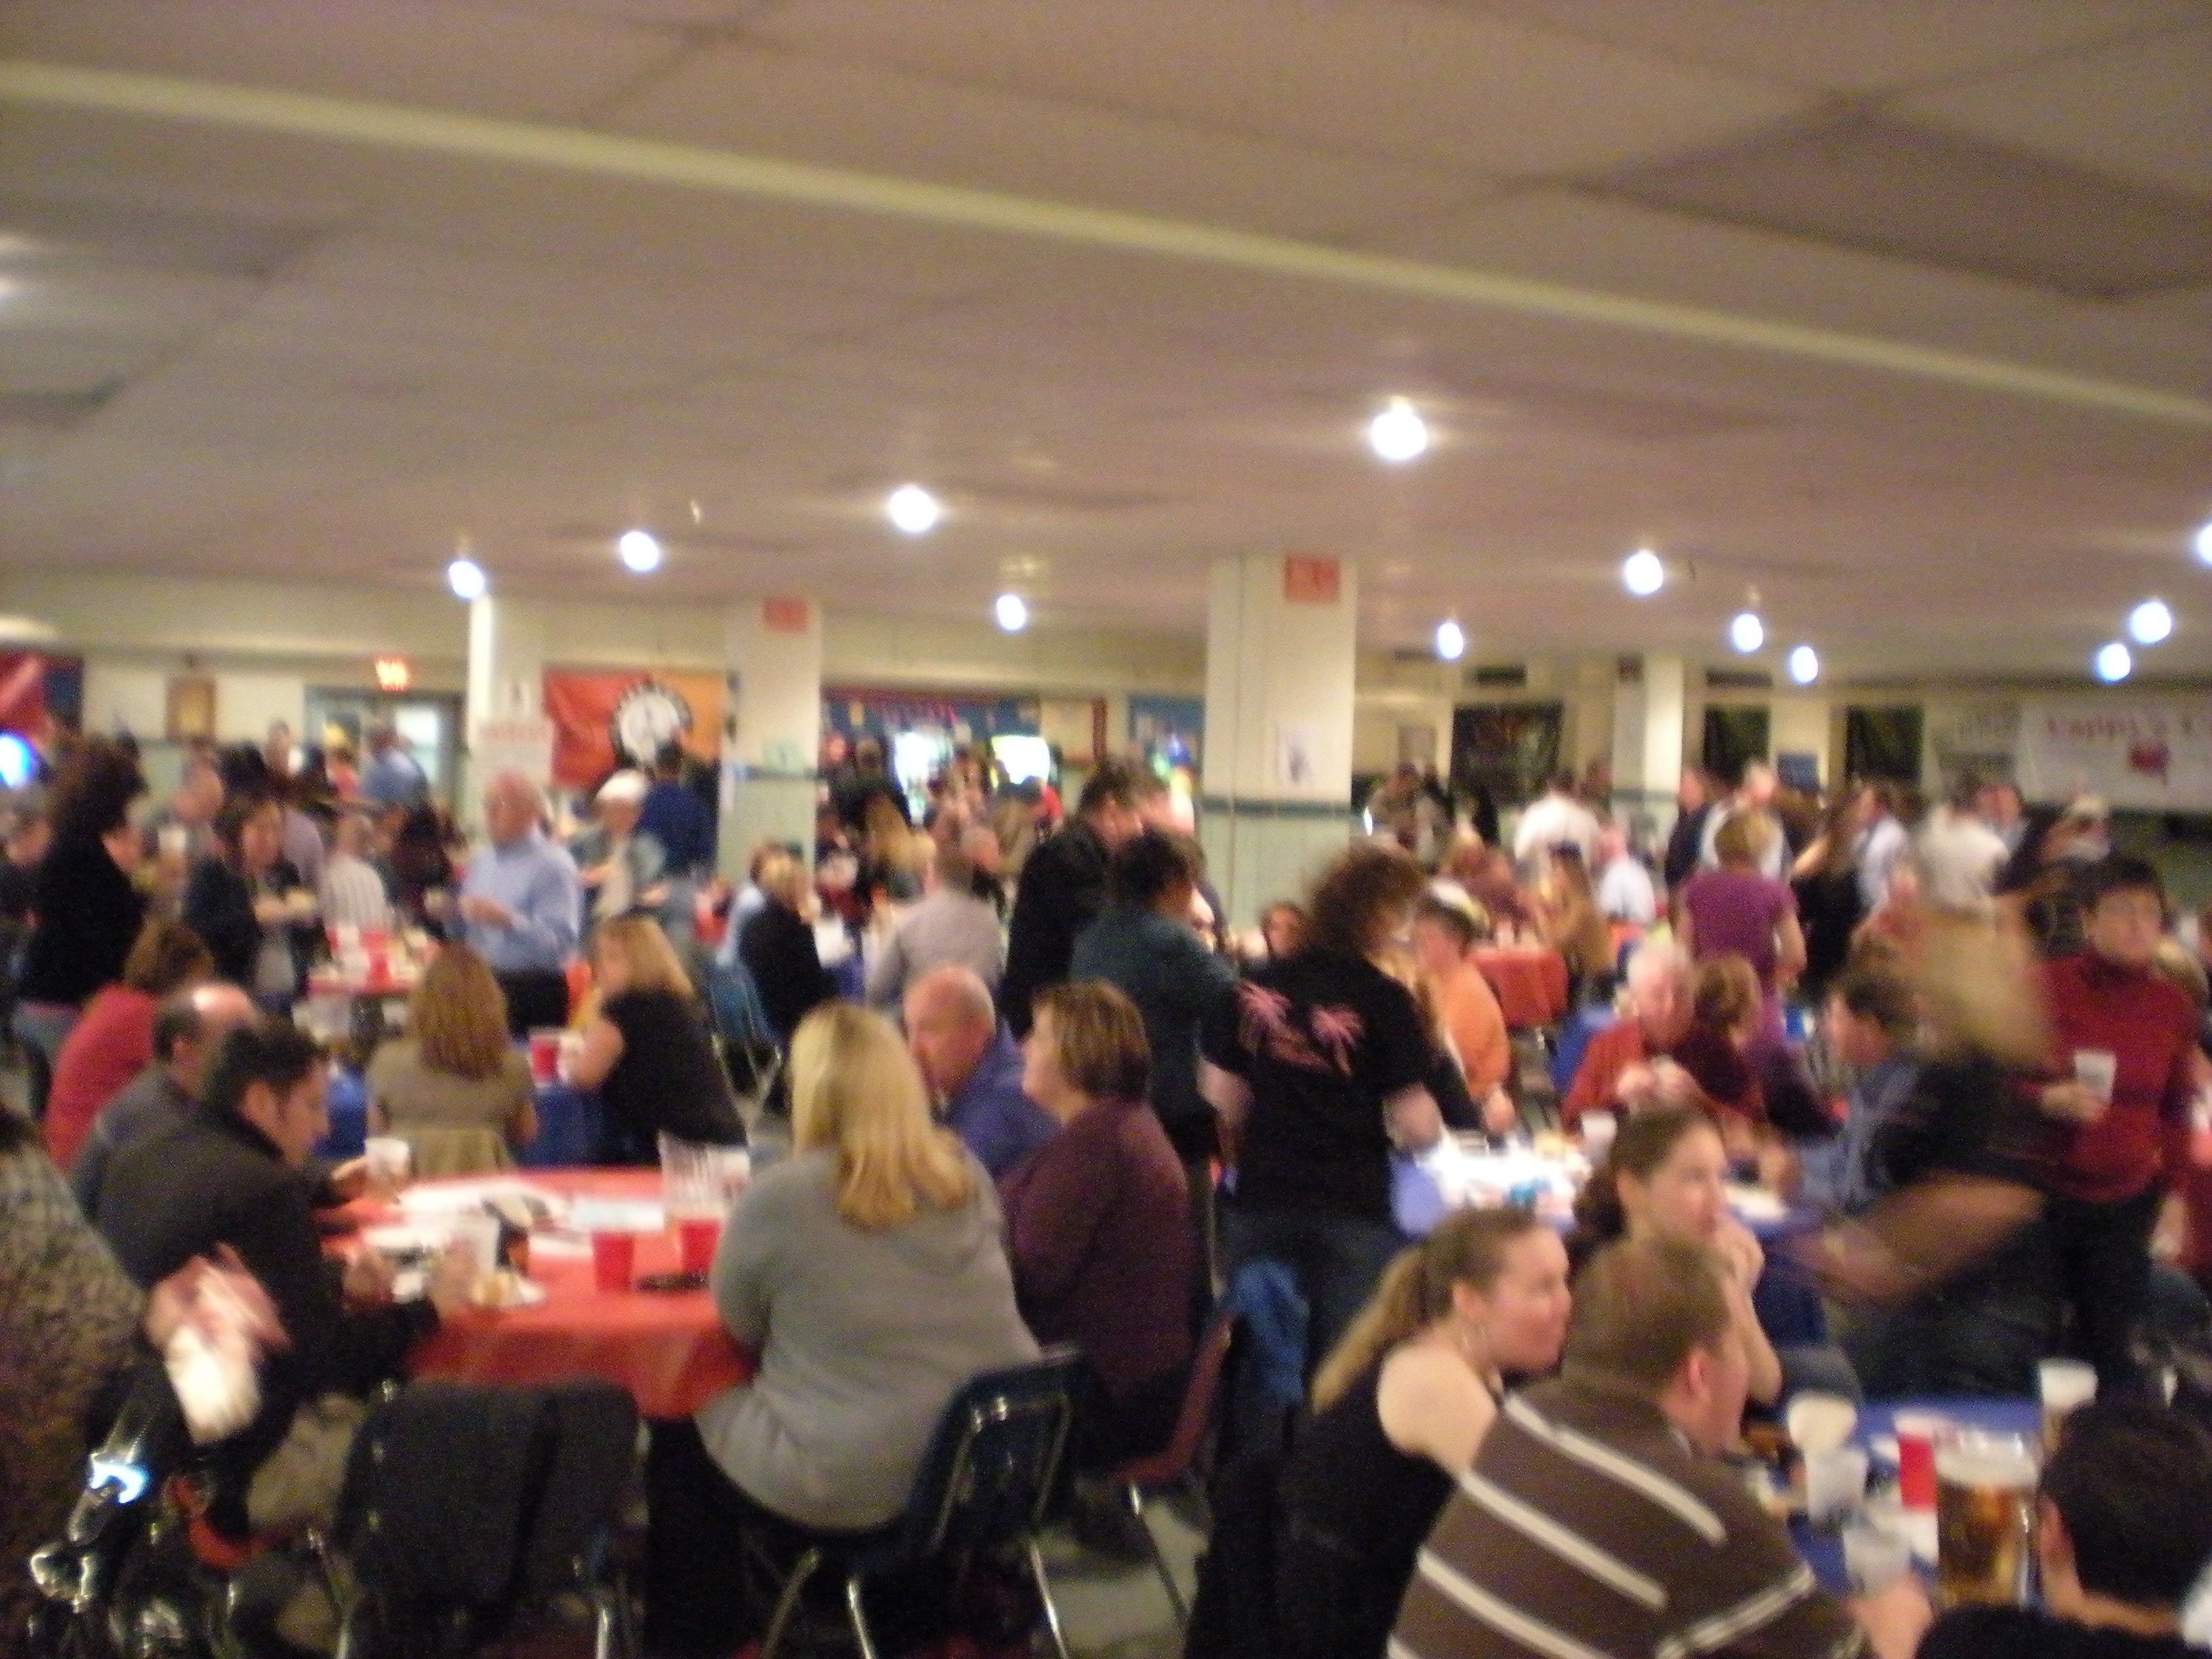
(2154, 754)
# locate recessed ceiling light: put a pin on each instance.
(1642, 574)
(1398, 433)
(1451, 641)
(2114, 663)
(467, 578)
(912, 510)
(2150, 622)
(1746, 632)
(638, 550)
(2204, 542)
(1012, 614)
(1804, 664)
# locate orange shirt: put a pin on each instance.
(1469, 1010)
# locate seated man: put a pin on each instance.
(2123, 1529)
(973, 1069)
(231, 1174)
(1599, 1520)
(188, 1028)
(1651, 1057)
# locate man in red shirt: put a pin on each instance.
(2120, 1088)
(1646, 1058)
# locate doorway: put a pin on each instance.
(427, 722)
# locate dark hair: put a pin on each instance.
(1356, 894)
(1116, 782)
(177, 1020)
(1449, 917)
(279, 1054)
(1644, 1141)
(1098, 1039)
(2120, 873)
(1148, 865)
(1563, 781)
(238, 811)
(2132, 1480)
(167, 955)
(1872, 987)
(1641, 1308)
(93, 789)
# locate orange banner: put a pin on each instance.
(604, 719)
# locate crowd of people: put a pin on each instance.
(1040, 1090)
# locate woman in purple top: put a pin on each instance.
(1098, 1221)
(1737, 910)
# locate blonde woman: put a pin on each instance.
(647, 1050)
(868, 1272)
(455, 1074)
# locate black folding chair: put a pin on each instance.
(986, 1482)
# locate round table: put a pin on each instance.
(1530, 980)
(668, 1348)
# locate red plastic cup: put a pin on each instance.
(695, 1238)
(614, 1261)
(1917, 1434)
(545, 1056)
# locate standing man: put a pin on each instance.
(521, 905)
(1064, 884)
(392, 776)
(1557, 819)
(1693, 804)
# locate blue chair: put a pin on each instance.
(988, 1479)
(1574, 1039)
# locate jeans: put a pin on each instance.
(1979, 1335)
(1337, 1258)
(43, 1027)
(2104, 1274)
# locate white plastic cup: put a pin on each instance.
(1598, 1131)
(2064, 1385)
(2097, 1069)
(389, 1160)
(1875, 1557)
(1835, 1485)
(480, 1234)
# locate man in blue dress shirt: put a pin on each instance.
(521, 905)
(973, 1066)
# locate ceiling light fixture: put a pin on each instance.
(1399, 434)
(2150, 622)
(1451, 641)
(1804, 664)
(1012, 614)
(912, 510)
(467, 578)
(638, 550)
(2204, 542)
(1642, 574)
(1746, 632)
(2113, 663)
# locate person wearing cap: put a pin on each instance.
(620, 864)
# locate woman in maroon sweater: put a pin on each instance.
(1098, 1220)
(2119, 1085)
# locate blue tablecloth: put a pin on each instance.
(1823, 1547)
(1417, 1205)
(567, 1123)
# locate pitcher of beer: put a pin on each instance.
(1984, 1518)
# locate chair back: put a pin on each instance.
(992, 1466)
(594, 1457)
(1199, 1396)
(1574, 1039)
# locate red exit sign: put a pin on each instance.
(1310, 579)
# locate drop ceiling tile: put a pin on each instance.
(2141, 112)
(842, 112)
(447, 54)
(1393, 79)
(1847, 45)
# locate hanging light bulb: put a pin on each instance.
(1012, 614)
(1747, 632)
(2114, 663)
(1398, 433)
(467, 578)
(1642, 574)
(638, 550)
(912, 510)
(1451, 641)
(1804, 664)
(2150, 622)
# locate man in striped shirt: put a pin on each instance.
(1597, 1521)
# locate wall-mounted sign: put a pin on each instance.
(784, 616)
(394, 673)
(1310, 579)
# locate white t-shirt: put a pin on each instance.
(1552, 821)
(1626, 893)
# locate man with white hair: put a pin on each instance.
(1646, 1058)
(622, 864)
(521, 905)
(1625, 889)
(973, 1066)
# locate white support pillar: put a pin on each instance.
(772, 727)
(1647, 741)
(1280, 650)
(504, 710)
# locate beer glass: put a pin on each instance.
(2064, 1385)
(1984, 1517)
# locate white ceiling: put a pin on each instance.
(328, 357)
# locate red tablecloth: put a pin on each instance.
(1530, 980)
(668, 1349)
